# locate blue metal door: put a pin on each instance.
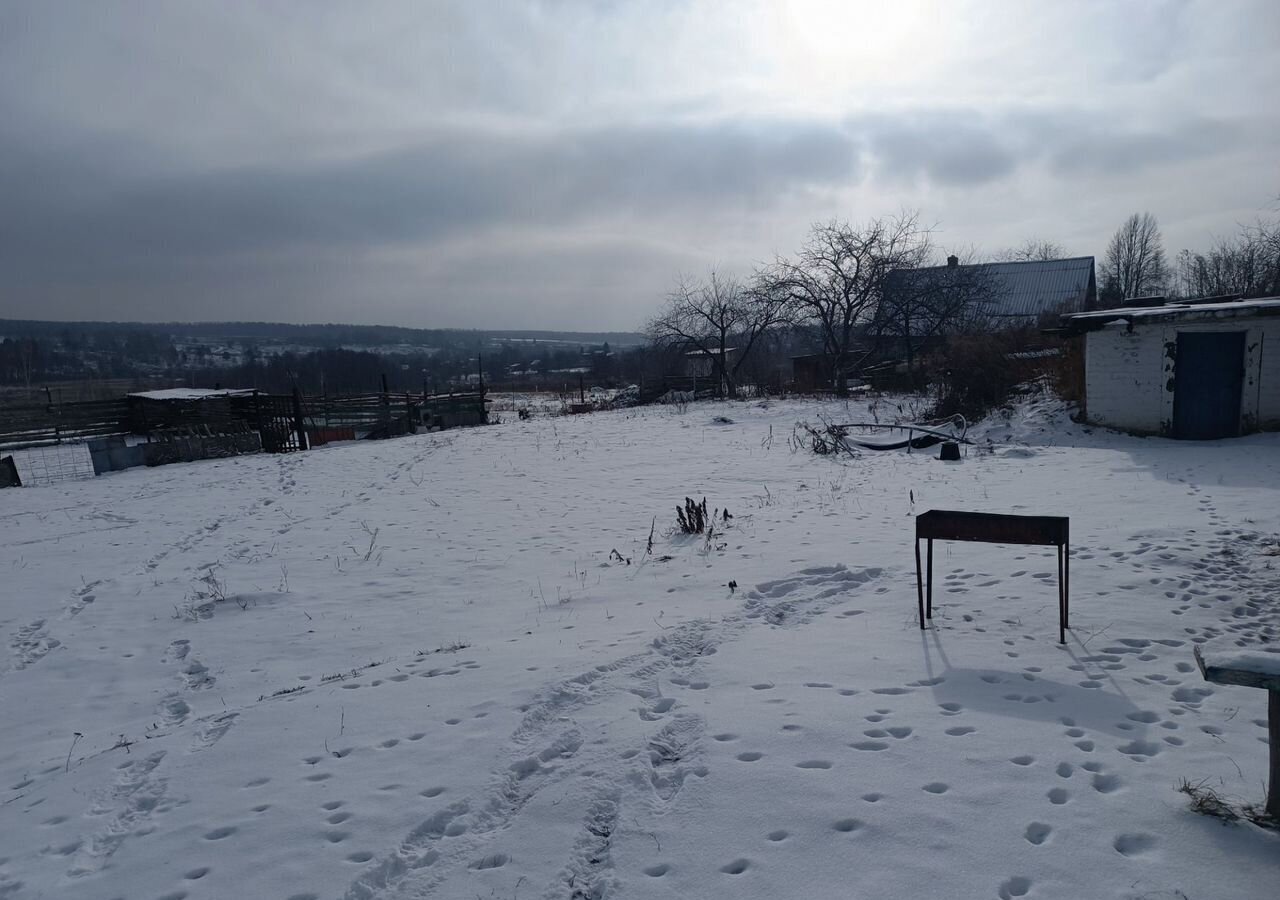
(1207, 385)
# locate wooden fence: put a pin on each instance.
(277, 417)
(56, 423)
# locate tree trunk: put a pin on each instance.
(724, 385)
(842, 375)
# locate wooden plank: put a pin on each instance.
(1241, 677)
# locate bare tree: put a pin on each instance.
(922, 304)
(1134, 265)
(1247, 265)
(1031, 250)
(837, 280)
(714, 318)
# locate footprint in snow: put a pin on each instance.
(1139, 751)
(1107, 784)
(1015, 887)
(1037, 833)
(1134, 844)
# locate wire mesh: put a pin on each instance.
(52, 464)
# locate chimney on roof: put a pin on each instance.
(953, 261)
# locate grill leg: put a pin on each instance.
(1062, 600)
(929, 593)
(919, 586)
(1273, 730)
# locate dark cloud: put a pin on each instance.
(95, 209)
(943, 147)
(1077, 146)
(958, 148)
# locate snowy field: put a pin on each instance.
(417, 668)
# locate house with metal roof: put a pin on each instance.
(1007, 294)
(1191, 370)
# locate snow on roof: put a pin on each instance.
(1261, 306)
(190, 393)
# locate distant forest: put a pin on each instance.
(333, 359)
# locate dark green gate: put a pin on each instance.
(1207, 385)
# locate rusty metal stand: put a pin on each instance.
(993, 528)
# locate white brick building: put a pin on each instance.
(1188, 370)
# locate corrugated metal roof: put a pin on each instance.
(1027, 289)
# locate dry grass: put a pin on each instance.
(1208, 802)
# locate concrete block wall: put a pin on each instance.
(1124, 377)
(1268, 386)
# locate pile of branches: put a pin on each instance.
(825, 440)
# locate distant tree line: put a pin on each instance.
(237, 355)
(880, 290)
(1245, 264)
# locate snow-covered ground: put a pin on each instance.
(431, 675)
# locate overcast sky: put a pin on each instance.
(558, 164)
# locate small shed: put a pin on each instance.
(1196, 371)
(814, 372)
(702, 364)
(150, 411)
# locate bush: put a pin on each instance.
(974, 374)
(1067, 370)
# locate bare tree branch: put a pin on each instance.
(1135, 265)
(836, 282)
(924, 303)
(717, 317)
(1031, 250)
(1247, 265)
